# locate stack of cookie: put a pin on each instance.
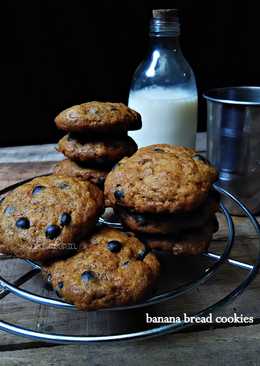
(163, 194)
(96, 140)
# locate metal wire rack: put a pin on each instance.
(14, 288)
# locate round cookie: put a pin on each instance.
(72, 169)
(160, 179)
(100, 117)
(95, 150)
(169, 223)
(112, 268)
(45, 218)
(191, 242)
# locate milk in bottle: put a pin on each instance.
(163, 89)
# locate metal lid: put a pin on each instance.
(165, 23)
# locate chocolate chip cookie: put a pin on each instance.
(191, 242)
(45, 218)
(112, 269)
(101, 151)
(160, 179)
(99, 117)
(168, 223)
(72, 169)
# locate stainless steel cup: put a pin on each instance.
(233, 142)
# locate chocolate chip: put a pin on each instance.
(114, 246)
(9, 210)
(200, 158)
(65, 219)
(37, 190)
(63, 185)
(87, 276)
(157, 149)
(23, 223)
(52, 231)
(119, 194)
(142, 254)
(60, 284)
(49, 277)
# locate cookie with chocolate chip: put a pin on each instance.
(102, 151)
(190, 242)
(112, 268)
(81, 171)
(160, 179)
(46, 217)
(168, 223)
(99, 117)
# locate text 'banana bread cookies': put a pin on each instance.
(165, 189)
(97, 138)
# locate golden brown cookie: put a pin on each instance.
(191, 242)
(103, 151)
(112, 269)
(160, 178)
(44, 218)
(99, 117)
(168, 223)
(72, 169)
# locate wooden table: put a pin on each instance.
(214, 344)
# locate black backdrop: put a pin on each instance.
(58, 53)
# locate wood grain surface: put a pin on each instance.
(215, 344)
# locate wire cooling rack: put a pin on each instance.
(217, 260)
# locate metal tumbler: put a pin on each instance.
(233, 142)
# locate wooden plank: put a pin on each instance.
(43, 318)
(233, 346)
(14, 172)
(34, 153)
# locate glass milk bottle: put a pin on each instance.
(163, 89)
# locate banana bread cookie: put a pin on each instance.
(99, 117)
(191, 242)
(112, 268)
(168, 223)
(160, 179)
(96, 150)
(44, 218)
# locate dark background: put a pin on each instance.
(58, 53)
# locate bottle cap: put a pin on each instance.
(165, 23)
